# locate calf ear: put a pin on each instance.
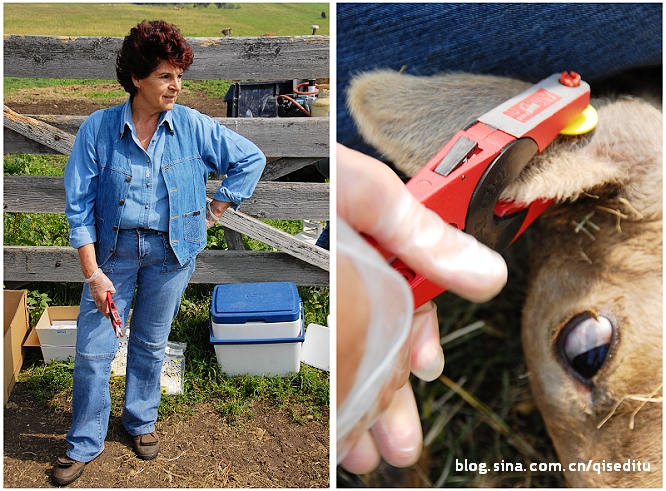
(409, 118)
(622, 155)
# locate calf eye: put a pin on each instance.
(584, 343)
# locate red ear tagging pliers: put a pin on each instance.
(116, 323)
(463, 182)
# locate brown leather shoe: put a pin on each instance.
(67, 470)
(147, 446)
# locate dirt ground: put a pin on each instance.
(70, 100)
(201, 450)
(272, 450)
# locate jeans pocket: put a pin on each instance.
(171, 262)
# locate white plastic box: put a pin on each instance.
(257, 328)
(56, 330)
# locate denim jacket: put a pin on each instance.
(98, 176)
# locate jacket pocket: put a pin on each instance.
(194, 226)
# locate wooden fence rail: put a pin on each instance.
(27, 264)
(226, 58)
(290, 143)
(277, 137)
(276, 200)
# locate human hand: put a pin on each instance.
(374, 202)
(214, 211)
(99, 284)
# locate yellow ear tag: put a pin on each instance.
(584, 123)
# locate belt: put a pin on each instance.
(144, 231)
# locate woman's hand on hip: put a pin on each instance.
(214, 211)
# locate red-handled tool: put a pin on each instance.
(114, 315)
(463, 182)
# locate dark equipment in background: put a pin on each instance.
(281, 99)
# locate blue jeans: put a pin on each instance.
(144, 270)
(529, 41)
(324, 240)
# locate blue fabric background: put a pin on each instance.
(526, 41)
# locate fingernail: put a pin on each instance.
(478, 273)
(487, 264)
(427, 358)
(363, 457)
(398, 431)
(430, 360)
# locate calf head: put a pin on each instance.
(592, 321)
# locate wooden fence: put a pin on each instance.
(290, 144)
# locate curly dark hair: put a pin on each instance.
(146, 46)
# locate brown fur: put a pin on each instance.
(616, 270)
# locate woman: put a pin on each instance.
(136, 206)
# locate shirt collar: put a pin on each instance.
(126, 120)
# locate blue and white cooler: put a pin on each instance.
(257, 328)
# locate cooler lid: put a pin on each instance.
(255, 302)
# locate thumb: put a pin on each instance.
(374, 201)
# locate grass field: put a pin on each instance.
(206, 19)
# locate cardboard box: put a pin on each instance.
(17, 325)
(65, 335)
(57, 344)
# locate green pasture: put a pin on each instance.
(193, 19)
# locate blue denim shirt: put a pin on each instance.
(99, 175)
(147, 204)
